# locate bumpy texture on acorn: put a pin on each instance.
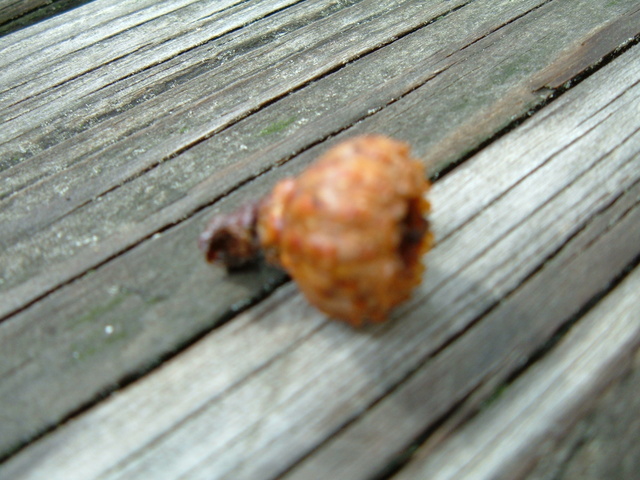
(350, 230)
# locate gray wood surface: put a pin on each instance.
(604, 442)
(127, 124)
(82, 215)
(507, 439)
(508, 272)
(11, 9)
(16, 15)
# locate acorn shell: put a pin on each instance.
(351, 229)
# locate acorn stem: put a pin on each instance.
(231, 239)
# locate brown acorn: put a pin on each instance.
(350, 230)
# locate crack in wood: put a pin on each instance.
(225, 194)
(23, 14)
(231, 190)
(459, 412)
(166, 227)
(493, 392)
(487, 388)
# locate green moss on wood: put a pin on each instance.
(100, 310)
(104, 327)
(277, 127)
(494, 397)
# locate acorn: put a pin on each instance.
(350, 230)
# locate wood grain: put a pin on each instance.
(55, 36)
(532, 417)
(486, 354)
(603, 444)
(23, 215)
(317, 390)
(16, 15)
(11, 9)
(56, 223)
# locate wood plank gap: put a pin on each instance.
(599, 307)
(555, 93)
(461, 413)
(435, 174)
(7, 314)
(134, 376)
(457, 409)
(24, 16)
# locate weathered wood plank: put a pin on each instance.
(166, 194)
(96, 300)
(19, 14)
(10, 9)
(55, 37)
(518, 326)
(604, 444)
(152, 83)
(320, 376)
(69, 53)
(286, 59)
(126, 56)
(535, 414)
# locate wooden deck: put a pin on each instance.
(127, 124)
